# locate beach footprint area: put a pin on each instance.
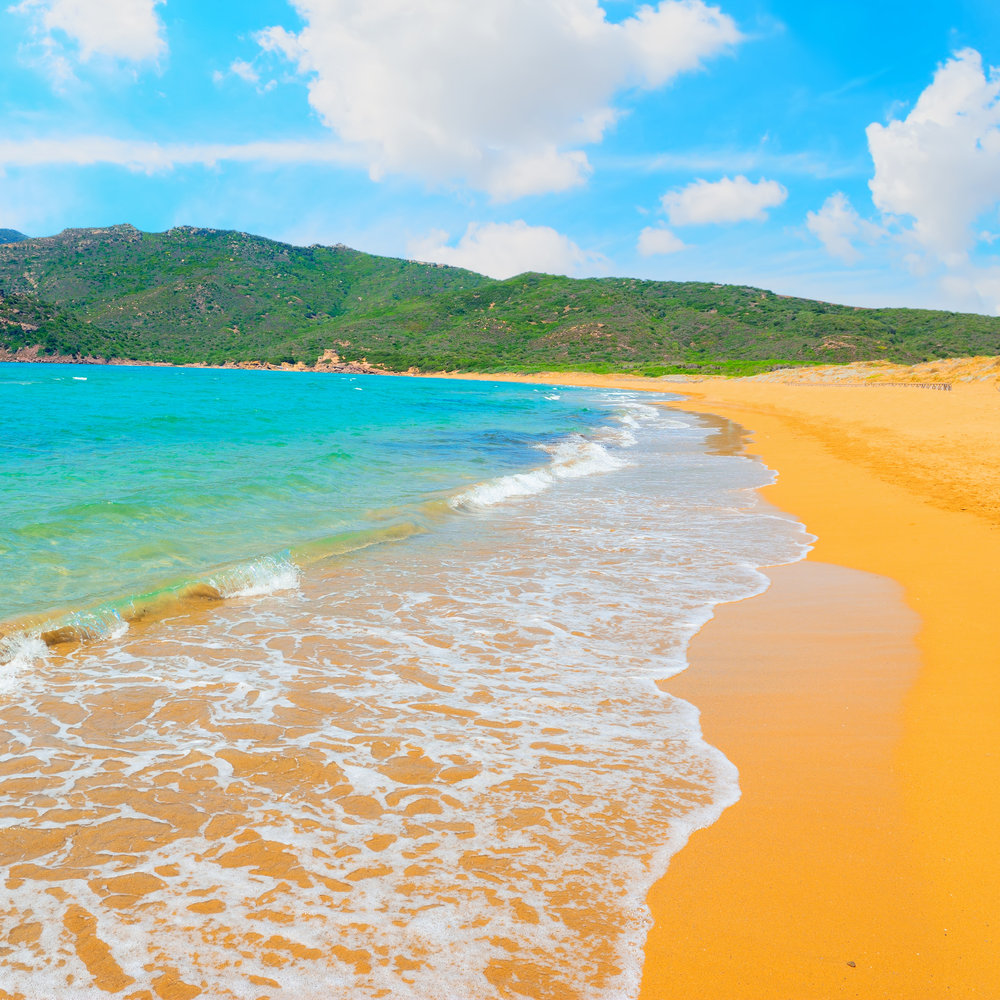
(435, 766)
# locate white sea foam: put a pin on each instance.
(488, 494)
(571, 458)
(522, 653)
(267, 575)
(97, 623)
(17, 653)
(118, 632)
(21, 650)
(618, 437)
(577, 456)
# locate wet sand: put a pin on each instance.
(867, 829)
(803, 888)
(435, 770)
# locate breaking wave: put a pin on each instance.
(571, 458)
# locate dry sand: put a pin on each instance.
(860, 699)
(904, 483)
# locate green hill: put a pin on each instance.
(11, 236)
(211, 296)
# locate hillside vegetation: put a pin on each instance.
(210, 296)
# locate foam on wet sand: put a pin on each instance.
(895, 893)
(440, 768)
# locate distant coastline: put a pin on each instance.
(35, 356)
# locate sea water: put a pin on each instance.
(344, 686)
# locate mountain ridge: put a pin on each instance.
(196, 295)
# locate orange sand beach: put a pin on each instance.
(859, 698)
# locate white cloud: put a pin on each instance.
(503, 249)
(732, 199)
(129, 30)
(975, 288)
(247, 72)
(939, 168)
(547, 170)
(498, 94)
(837, 225)
(807, 163)
(937, 181)
(672, 37)
(150, 157)
(655, 240)
(244, 71)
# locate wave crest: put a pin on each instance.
(266, 575)
(572, 458)
(17, 652)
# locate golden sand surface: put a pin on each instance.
(803, 888)
(904, 483)
(867, 832)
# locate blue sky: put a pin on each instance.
(841, 150)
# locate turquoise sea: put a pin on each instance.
(341, 687)
(117, 482)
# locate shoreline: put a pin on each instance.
(903, 489)
(859, 697)
(324, 366)
(340, 766)
(793, 889)
(906, 486)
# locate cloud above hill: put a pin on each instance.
(939, 167)
(503, 249)
(498, 95)
(839, 228)
(657, 241)
(936, 186)
(732, 199)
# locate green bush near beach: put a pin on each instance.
(210, 296)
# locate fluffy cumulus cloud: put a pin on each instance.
(839, 228)
(939, 167)
(657, 240)
(732, 199)
(503, 249)
(127, 30)
(247, 73)
(496, 94)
